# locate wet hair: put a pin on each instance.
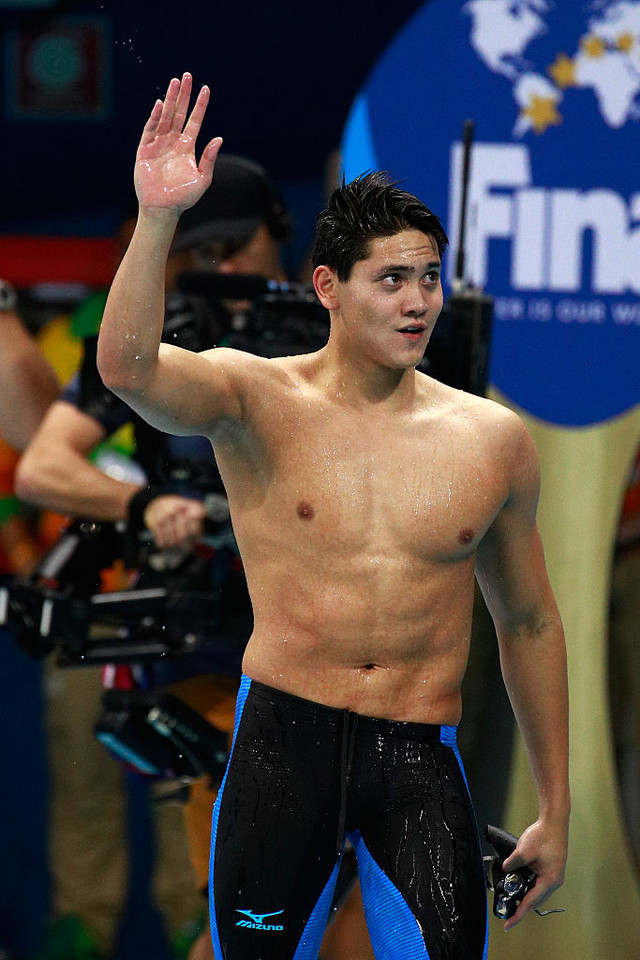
(370, 206)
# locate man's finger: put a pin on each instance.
(151, 126)
(194, 122)
(168, 107)
(523, 908)
(513, 862)
(535, 898)
(182, 103)
(208, 159)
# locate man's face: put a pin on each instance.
(388, 307)
(258, 255)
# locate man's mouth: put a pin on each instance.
(412, 331)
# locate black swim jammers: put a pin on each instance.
(302, 779)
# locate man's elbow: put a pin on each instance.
(30, 480)
(109, 368)
(533, 625)
(125, 379)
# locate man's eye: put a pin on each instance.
(432, 277)
(391, 280)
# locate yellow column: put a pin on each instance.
(584, 475)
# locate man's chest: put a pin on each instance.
(408, 488)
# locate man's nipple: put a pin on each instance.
(465, 536)
(305, 510)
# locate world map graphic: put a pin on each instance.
(606, 59)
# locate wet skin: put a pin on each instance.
(359, 493)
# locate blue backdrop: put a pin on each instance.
(554, 218)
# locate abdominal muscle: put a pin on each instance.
(377, 645)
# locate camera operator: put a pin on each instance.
(236, 229)
(88, 792)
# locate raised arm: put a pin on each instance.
(175, 390)
(512, 575)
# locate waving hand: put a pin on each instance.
(167, 175)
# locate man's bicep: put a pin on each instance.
(510, 565)
(66, 427)
(64, 439)
(190, 392)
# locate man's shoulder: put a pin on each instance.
(459, 403)
(257, 372)
(494, 426)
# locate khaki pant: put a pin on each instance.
(88, 846)
(213, 696)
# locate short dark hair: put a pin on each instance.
(370, 206)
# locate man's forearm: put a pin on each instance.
(70, 484)
(132, 322)
(534, 667)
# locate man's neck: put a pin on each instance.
(361, 382)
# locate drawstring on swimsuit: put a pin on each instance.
(346, 758)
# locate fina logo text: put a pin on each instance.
(256, 920)
(546, 227)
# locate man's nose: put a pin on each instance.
(415, 302)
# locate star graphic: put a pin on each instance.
(625, 42)
(542, 113)
(563, 71)
(593, 46)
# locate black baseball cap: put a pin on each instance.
(240, 198)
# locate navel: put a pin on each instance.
(466, 536)
(305, 510)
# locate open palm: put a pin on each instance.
(167, 174)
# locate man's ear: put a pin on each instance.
(325, 282)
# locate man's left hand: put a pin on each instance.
(543, 848)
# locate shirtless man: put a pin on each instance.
(364, 495)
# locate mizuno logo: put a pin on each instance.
(256, 920)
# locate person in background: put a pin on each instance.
(89, 796)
